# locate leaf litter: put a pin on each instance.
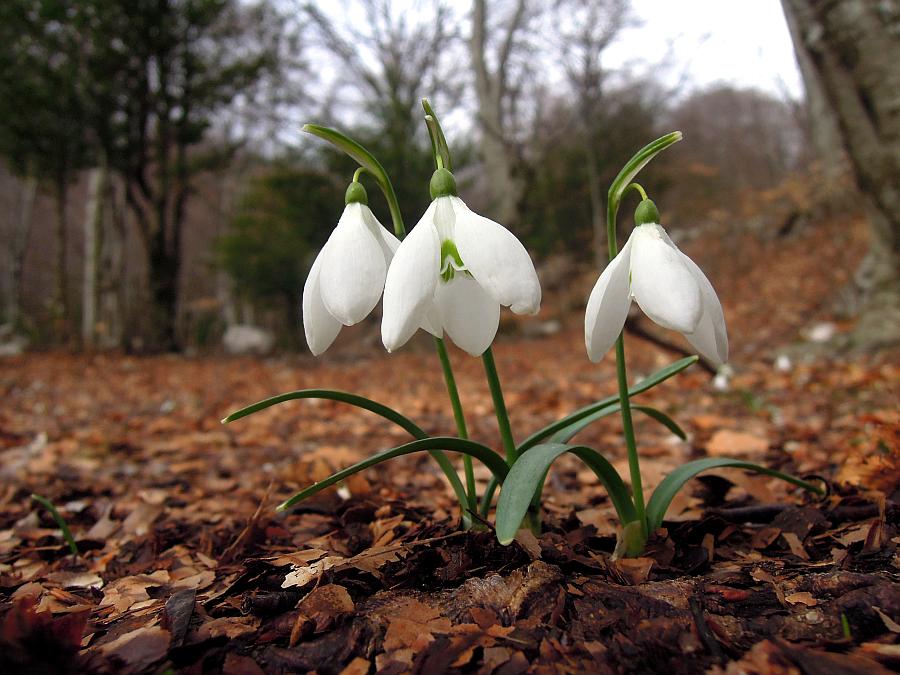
(184, 564)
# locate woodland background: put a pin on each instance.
(155, 188)
(160, 207)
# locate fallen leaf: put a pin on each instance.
(726, 443)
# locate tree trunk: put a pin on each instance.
(854, 49)
(17, 251)
(93, 218)
(497, 147)
(825, 135)
(61, 300)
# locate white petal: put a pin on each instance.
(410, 284)
(389, 243)
(710, 338)
(353, 268)
(497, 260)
(319, 326)
(431, 322)
(469, 315)
(661, 282)
(607, 307)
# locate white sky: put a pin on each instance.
(739, 42)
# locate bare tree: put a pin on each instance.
(390, 62)
(853, 47)
(590, 27)
(502, 49)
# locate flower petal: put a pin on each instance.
(661, 282)
(389, 243)
(710, 337)
(469, 315)
(410, 284)
(353, 268)
(319, 326)
(431, 322)
(607, 306)
(497, 260)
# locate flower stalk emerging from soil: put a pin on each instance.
(453, 274)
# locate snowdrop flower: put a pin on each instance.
(666, 284)
(453, 272)
(347, 277)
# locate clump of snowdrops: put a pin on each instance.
(450, 276)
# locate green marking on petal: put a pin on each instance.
(451, 262)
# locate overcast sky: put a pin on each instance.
(741, 42)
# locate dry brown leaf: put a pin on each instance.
(802, 598)
(413, 625)
(139, 649)
(727, 443)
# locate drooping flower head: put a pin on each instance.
(667, 285)
(453, 272)
(347, 277)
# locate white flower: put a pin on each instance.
(452, 273)
(347, 277)
(666, 284)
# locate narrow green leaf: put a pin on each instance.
(667, 489)
(488, 497)
(333, 395)
(60, 521)
(527, 475)
(663, 419)
(488, 457)
(366, 160)
(630, 171)
(347, 145)
(366, 404)
(660, 375)
(567, 433)
(438, 140)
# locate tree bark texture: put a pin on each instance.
(498, 149)
(854, 48)
(93, 217)
(17, 248)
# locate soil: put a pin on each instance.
(184, 565)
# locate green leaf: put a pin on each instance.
(438, 140)
(630, 171)
(366, 404)
(567, 433)
(366, 160)
(660, 375)
(60, 522)
(333, 395)
(527, 475)
(667, 489)
(488, 497)
(488, 457)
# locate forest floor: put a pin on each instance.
(184, 564)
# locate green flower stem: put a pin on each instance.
(368, 162)
(617, 190)
(60, 521)
(490, 369)
(533, 516)
(638, 188)
(634, 463)
(459, 417)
